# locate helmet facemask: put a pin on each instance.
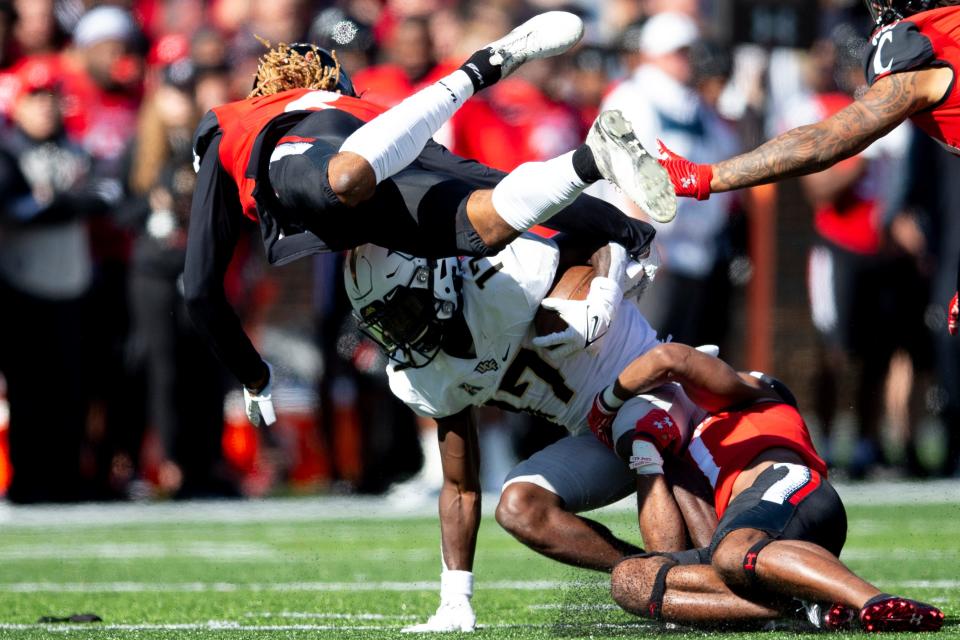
(408, 321)
(884, 12)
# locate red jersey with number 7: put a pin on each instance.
(923, 40)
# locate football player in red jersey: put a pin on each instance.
(781, 527)
(322, 170)
(910, 70)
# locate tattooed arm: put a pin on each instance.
(891, 100)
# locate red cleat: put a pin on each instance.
(838, 617)
(893, 613)
(827, 617)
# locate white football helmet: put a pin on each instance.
(402, 301)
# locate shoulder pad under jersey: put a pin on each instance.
(896, 48)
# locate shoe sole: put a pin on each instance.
(839, 618)
(564, 28)
(651, 190)
(901, 614)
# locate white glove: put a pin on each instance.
(587, 320)
(259, 405)
(455, 614)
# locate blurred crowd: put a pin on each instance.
(112, 395)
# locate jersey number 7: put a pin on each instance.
(528, 359)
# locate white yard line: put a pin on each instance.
(228, 587)
(201, 587)
(216, 625)
(573, 607)
(926, 584)
(854, 553)
(340, 508)
(218, 551)
(328, 616)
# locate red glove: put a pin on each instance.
(953, 315)
(690, 180)
(600, 420)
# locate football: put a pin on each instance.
(574, 284)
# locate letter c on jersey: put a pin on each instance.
(878, 67)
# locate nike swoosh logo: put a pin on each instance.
(593, 332)
(506, 354)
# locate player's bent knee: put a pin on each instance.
(735, 558)
(631, 584)
(521, 509)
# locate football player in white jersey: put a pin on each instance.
(460, 333)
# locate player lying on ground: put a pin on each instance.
(782, 525)
(916, 47)
(460, 334)
(322, 170)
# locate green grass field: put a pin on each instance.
(337, 568)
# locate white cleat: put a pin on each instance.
(450, 617)
(623, 161)
(542, 36)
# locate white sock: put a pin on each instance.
(455, 585)
(533, 192)
(396, 137)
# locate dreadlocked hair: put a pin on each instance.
(282, 68)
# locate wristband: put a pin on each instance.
(610, 401)
(646, 459)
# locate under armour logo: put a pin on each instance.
(487, 365)
(666, 422)
(916, 619)
(750, 563)
(688, 181)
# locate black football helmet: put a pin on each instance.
(778, 387)
(884, 12)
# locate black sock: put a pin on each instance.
(585, 165)
(482, 73)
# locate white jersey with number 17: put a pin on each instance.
(501, 294)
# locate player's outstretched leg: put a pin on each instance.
(748, 559)
(396, 137)
(535, 191)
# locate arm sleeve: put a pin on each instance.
(214, 228)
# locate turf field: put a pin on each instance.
(350, 568)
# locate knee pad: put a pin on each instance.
(750, 560)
